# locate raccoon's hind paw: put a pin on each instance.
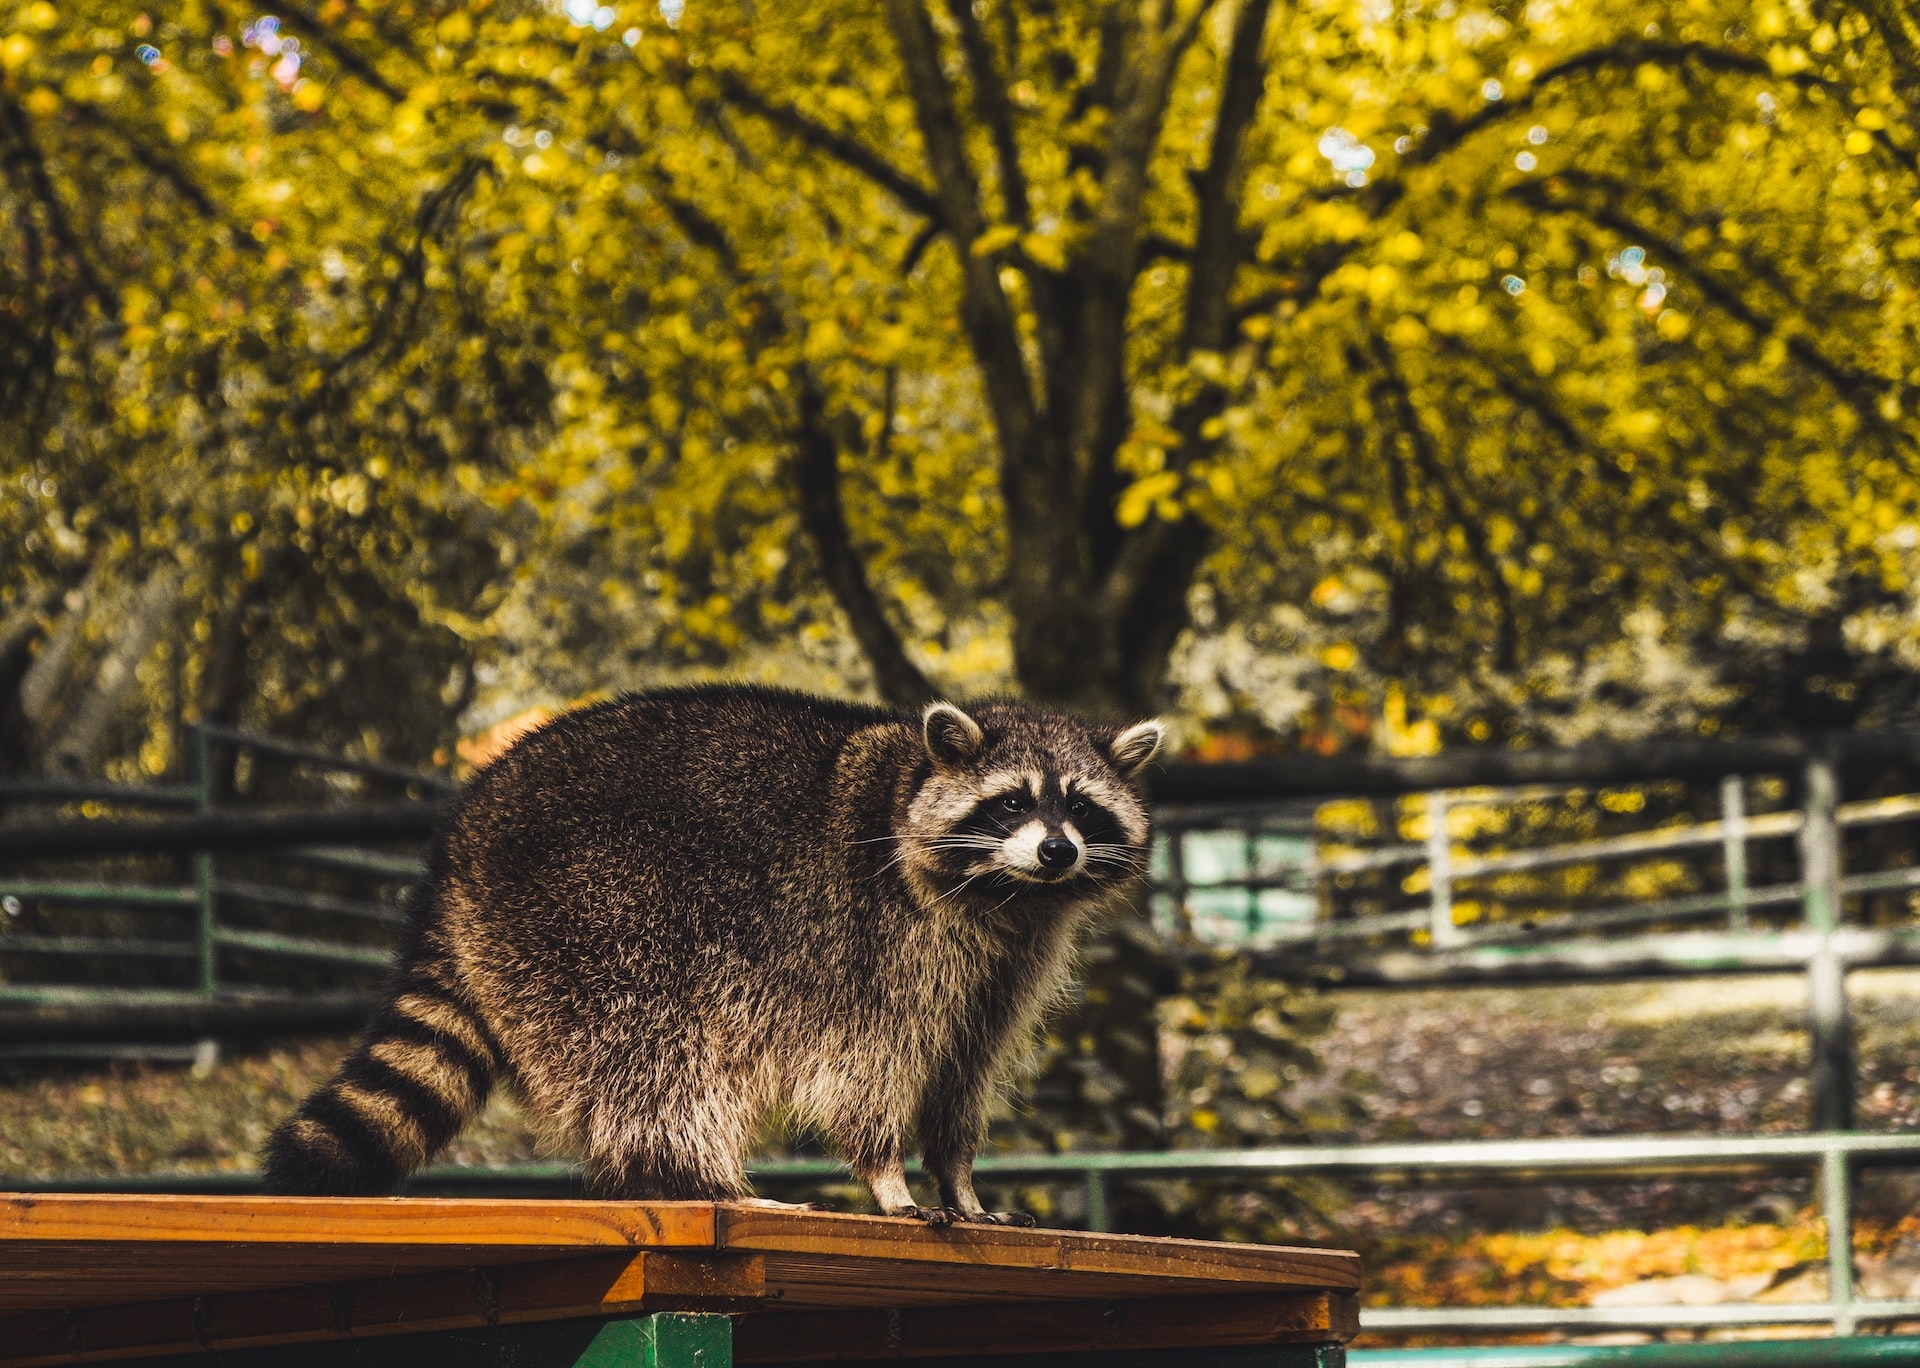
(937, 1217)
(1001, 1218)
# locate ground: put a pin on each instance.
(1716, 1056)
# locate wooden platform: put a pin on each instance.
(86, 1278)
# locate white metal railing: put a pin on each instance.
(1803, 926)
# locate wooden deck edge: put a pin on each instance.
(597, 1285)
(1308, 1317)
(165, 1218)
(807, 1234)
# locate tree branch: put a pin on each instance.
(153, 160)
(349, 59)
(848, 151)
(992, 108)
(1860, 390)
(1446, 132)
(816, 469)
(31, 160)
(1427, 459)
(984, 309)
(1218, 243)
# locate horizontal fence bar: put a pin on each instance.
(288, 750)
(81, 790)
(1379, 776)
(75, 891)
(1773, 824)
(302, 947)
(219, 831)
(1675, 955)
(373, 864)
(1559, 1158)
(1881, 881)
(1630, 914)
(1594, 1318)
(307, 902)
(58, 1013)
(117, 948)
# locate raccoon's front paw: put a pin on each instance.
(938, 1217)
(1005, 1218)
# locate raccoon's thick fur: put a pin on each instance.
(665, 917)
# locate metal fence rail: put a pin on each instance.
(1287, 862)
(178, 942)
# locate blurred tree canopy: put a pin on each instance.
(1412, 367)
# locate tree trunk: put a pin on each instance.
(85, 737)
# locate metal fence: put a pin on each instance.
(227, 900)
(1274, 881)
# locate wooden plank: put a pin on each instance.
(115, 1275)
(826, 1235)
(37, 1276)
(596, 1285)
(1319, 1317)
(120, 1219)
(822, 1280)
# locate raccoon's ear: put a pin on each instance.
(953, 738)
(1132, 748)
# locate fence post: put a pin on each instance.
(1098, 1217)
(1829, 1024)
(208, 954)
(1440, 873)
(1733, 824)
(1836, 1211)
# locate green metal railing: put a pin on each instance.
(200, 946)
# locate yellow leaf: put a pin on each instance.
(1045, 250)
(1407, 331)
(1672, 324)
(996, 239)
(1140, 497)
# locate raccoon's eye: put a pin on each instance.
(1016, 802)
(1079, 807)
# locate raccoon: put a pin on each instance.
(665, 917)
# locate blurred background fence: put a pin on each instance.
(262, 897)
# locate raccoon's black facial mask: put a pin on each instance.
(1019, 803)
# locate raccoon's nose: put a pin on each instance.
(1057, 852)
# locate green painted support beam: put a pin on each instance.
(667, 1340)
(1852, 1351)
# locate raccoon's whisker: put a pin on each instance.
(959, 887)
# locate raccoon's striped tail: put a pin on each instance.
(423, 1069)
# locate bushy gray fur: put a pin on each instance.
(664, 917)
